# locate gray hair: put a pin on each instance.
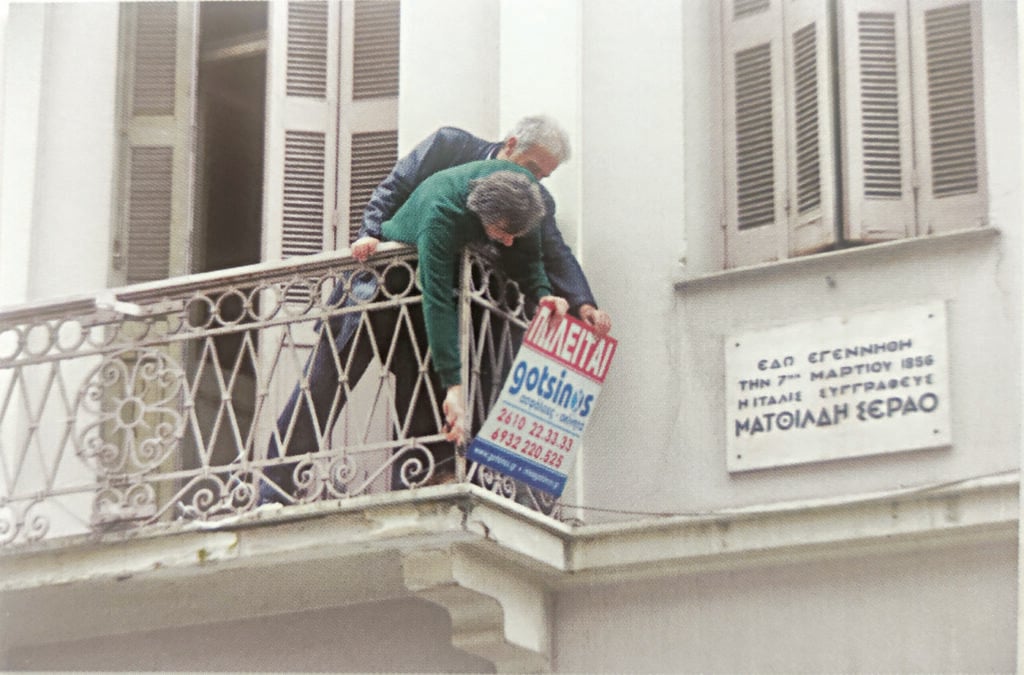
(507, 196)
(543, 131)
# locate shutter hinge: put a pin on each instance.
(117, 255)
(334, 227)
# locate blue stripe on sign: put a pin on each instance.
(516, 466)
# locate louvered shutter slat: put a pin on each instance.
(744, 8)
(149, 214)
(156, 36)
(375, 55)
(301, 123)
(307, 50)
(754, 132)
(373, 156)
(875, 109)
(159, 71)
(947, 94)
(754, 138)
(370, 103)
(811, 128)
(883, 165)
(807, 123)
(951, 101)
(301, 155)
(305, 154)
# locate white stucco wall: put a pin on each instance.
(77, 146)
(942, 610)
(633, 199)
(59, 148)
(19, 133)
(540, 54)
(449, 72)
(540, 74)
(1020, 375)
(652, 195)
(978, 279)
(390, 636)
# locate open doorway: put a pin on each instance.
(231, 111)
(229, 137)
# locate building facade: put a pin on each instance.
(803, 217)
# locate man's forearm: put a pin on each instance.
(564, 271)
(387, 198)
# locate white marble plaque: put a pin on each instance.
(845, 386)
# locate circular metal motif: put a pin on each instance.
(130, 412)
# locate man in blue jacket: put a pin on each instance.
(535, 143)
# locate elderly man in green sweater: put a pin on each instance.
(489, 199)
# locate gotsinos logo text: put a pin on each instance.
(551, 388)
(571, 344)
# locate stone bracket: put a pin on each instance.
(496, 614)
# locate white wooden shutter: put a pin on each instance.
(373, 155)
(810, 102)
(946, 39)
(368, 140)
(301, 121)
(875, 110)
(376, 27)
(755, 128)
(157, 104)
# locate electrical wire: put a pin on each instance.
(918, 489)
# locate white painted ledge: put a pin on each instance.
(828, 260)
(490, 562)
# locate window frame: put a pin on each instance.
(850, 214)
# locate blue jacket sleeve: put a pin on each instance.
(443, 149)
(523, 262)
(562, 268)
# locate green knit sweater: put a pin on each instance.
(435, 218)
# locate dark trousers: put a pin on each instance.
(343, 347)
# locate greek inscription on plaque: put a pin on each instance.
(839, 387)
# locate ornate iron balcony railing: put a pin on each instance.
(160, 404)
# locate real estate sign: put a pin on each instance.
(534, 429)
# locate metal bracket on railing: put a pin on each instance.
(109, 301)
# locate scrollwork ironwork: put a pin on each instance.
(213, 495)
(24, 523)
(164, 414)
(116, 504)
(130, 413)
